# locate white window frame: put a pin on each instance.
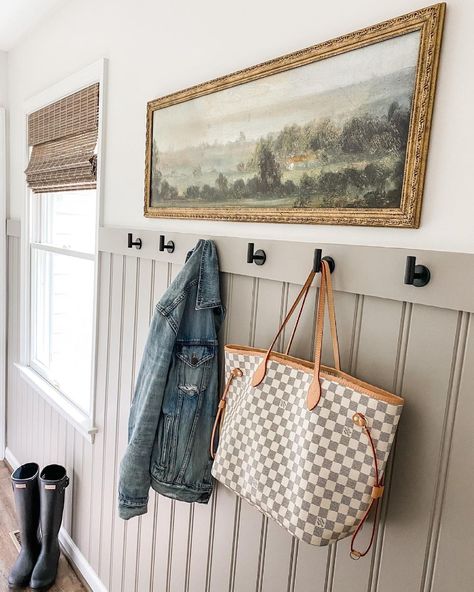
(38, 221)
(84, 422)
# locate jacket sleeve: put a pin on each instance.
(134, 483)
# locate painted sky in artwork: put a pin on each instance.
(295, 96)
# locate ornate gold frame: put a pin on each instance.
(429, 21)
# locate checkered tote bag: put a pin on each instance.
(304, 443)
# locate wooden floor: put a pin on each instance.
(66, 581)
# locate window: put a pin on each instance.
(62, 268)
(59, 265)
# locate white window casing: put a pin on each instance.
(31, 371)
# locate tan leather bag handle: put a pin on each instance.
(297, 322)
(325, 293)
(261, 371)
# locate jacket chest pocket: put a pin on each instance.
(194, 361)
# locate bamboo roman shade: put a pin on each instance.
(63, 137)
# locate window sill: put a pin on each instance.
(81, 421)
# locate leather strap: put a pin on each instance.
(325, 294)
(261, 371)
(234, 373)
(297, 322)
(332, 316)
(377, 491)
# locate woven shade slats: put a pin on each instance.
(63, 137)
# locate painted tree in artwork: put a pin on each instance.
(268, 168)
(161, 190)
(222, 183)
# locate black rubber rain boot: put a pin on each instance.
(26, 495)
(52, 484)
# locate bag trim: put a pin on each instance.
(326, 372)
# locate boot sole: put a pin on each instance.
(18, 586)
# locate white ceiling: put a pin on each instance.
(18, 17)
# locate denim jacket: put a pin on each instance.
(176, 394)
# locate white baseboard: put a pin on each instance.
(72, 552)
(68, 546)
(9, 458)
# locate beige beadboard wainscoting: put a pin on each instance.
(418, 342)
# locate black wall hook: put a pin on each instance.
(416, 275)
(131, 243)
(317, 261)
(258, 257)
(169, 245)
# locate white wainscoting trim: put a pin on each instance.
(372, 271)
(420, 352)
(69, 548)
(72, 552)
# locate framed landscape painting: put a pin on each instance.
(334, 134)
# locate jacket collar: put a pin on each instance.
(208, 292)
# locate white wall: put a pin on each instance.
(156, 48)
(3, 102)
(3, 78)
